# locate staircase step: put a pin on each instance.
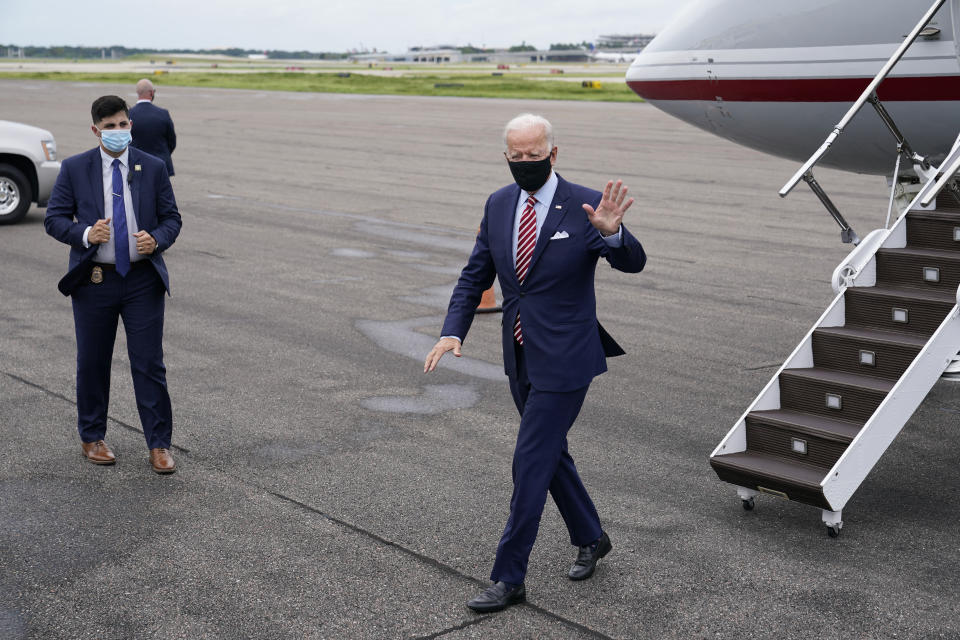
(804, 437)
(922, 268)
(947, 201)
(809, 424)
(934, 229)
(875, 307)
(854, 349)
(839, 395)
(762, 471)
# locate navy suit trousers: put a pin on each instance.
(541, 463)
(138, 300)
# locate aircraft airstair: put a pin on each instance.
(845, 393)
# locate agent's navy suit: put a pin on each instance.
(153, 132)
(564, 347)
(77, 202)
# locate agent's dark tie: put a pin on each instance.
(526, 239)
(121, 239)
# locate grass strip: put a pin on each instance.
(471, 86)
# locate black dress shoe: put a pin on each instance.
(588, 557)
(497, 596)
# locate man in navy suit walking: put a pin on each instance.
(542, 238)
(152, 126)
(115, 207)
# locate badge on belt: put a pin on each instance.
(96, 276)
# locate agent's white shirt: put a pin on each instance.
(107, 252)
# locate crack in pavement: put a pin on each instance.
(423, 558)
(463, 625)
(60, 396)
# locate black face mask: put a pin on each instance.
(531, 175)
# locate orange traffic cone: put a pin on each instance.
(488, 302)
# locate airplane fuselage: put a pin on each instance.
(778, 75)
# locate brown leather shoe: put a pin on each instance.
(162, 461)
(98, 452)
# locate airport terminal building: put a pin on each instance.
(442, 54)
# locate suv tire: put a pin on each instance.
(15, 194)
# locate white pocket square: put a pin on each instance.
(560, 235)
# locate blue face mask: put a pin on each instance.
(115, 140)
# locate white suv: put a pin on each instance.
(28, 169)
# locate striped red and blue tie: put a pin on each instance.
(526, 239)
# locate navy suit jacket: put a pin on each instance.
(564, 345)
(77, 203)
(152, 131)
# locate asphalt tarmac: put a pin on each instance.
(328, 488)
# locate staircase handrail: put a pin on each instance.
(867, 93)
(948, 168)
(858, 258)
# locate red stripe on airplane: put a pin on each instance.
(922, 89)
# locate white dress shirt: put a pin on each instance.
(107, 252)
(544, 196)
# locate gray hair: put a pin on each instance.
(144, 87)
(527, 120)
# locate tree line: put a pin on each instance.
(123, 52)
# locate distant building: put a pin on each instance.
(437, 55)
(442, 54)
(633, 42)
(430, 55)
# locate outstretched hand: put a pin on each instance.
(608, 214)
(445, 344)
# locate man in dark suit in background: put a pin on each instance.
(152, 126)
(115, 207)
(542, 238)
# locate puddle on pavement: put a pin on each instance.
(396, 233)
(11, 624)
(436, 398)
(289, 452)
(438, 297)
(401, 337)
(411, 255)
(452, 270)
(345, 252)
(336, 280)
